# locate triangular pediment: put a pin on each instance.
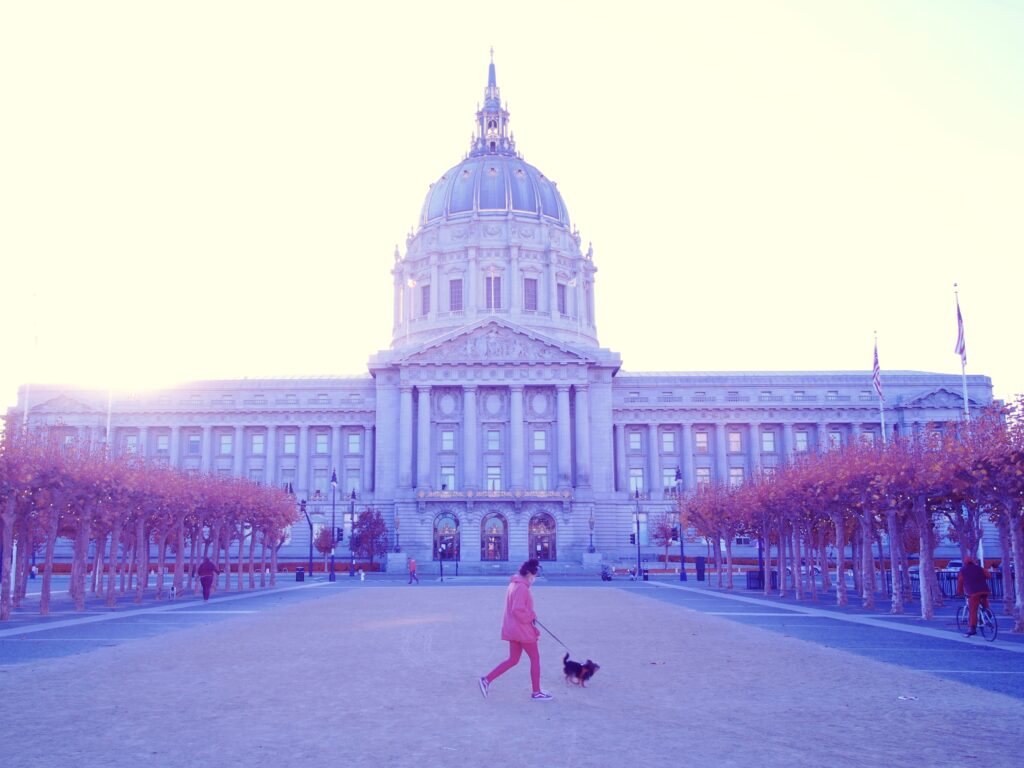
(937, 398)
(495, 341)
(62, 404)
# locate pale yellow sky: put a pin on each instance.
(215, 189)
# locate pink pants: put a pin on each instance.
(515, 652)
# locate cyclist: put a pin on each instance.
(973, 579)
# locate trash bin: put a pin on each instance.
(700, 567)
(646, 578)
(300, 574)
(755, 579)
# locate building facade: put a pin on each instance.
(495, 427)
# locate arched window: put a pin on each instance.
(446, 537)
(542, 537)
(493, 537)
(492, 124)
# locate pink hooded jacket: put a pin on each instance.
(518, 622)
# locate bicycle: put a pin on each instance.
(987, 624)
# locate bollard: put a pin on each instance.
(700, 567)
(300, 574)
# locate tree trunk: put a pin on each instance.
(179, 558)
(1017, 544)
(867, 564)
(6, 557)
(263, 560)
(718, 560)
(24, 550)
(840, 526)
(97, 565)
(79, 562)
(53, 525)
(161, 563)
(728, 563)
(926, 575)
(782, 558)
(115, 538)
(1006, 548)
(241, 559)
(895, 551)
(826, 579)
(273, 562)
(252, 559)
(141, 559)
(794, 550)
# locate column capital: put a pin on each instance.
(562, 387)
(403, 388)
(517, 387)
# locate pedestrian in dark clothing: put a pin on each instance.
(973, 580)
(207, 570)
(412, 571)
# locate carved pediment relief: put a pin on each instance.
(62, 404)
(937, 398)
(494, 342)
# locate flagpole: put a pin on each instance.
(877, 377)
(961, 348)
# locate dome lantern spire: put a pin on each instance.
(492, 121)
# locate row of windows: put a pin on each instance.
(492, 295)
(493, 440)
(493, 478)
(669, 480)
(735, 441)
(735, 396)
(257, 444)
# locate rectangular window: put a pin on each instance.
(195, 445)
(257, 444)
(320, 482)
(735, 476)
(832, 394)
(256, 476)
(636, 479)
(494, 478)
(225, 442)
(563, 304)
(700, 442)
(703, 477)
(353, 482)
(735, 442)
(635, 440)
(767, 442)
(540, 440)
(835, 439)
(668, 481)
(540, 478)
(163, 444)
(447, 440)
(800, 441)
(742, 541)
(131, 443)
(288, 477)
(868, 438)
(447, 478)
(352, 442)
(289, 442)
(455, 295)
(320, 440)
(492, 292)
(493, 440)
(668, 442)
(424, 300)
(530, 294)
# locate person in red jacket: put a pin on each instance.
(973, 579)
(518, 629)
(207, 570)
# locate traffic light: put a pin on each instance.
(675, 532)
(339, 534)
(632, 538)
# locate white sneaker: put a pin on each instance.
(484, 686)
(542, 696)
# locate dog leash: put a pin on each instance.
(537, 622)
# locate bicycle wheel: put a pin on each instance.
(987, 624)
(961, 618)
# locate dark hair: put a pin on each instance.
(530, 566)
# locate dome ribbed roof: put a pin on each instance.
(493, 184)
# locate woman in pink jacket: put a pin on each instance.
(517, 627)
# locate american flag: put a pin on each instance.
(876, 376)
(961, 345)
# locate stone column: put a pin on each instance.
(435, 288)
(515, 282)
(337, 465)
(721, 461)
(855, 434)
(423, 469)
(621, 478)
(302, 476)
(787, 442)
(469, 294)
(564, 436)
(517, 446)
(755, 450)
(582, 436)
(654, 462)
(689, 482)
(238, 445)
(175, 445)
(206, 461)
(822, 437)
(143, 442)
(368, 455)
(270, 466)
(553, 284)
(471, 481)
(405, 430)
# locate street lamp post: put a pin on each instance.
(591, 523)
(302, 508)
(682, 529)
(398, 540)
(334, 529)
(636, 517)
(351, 535)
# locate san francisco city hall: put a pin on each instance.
(495, 427)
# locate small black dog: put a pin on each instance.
(578, 673)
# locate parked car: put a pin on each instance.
(953, 566)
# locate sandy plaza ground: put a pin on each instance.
(387, 676)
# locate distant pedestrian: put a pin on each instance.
(973, 580)
(207, 570)
(412, 571)
(517, 627)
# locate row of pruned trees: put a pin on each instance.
(120, 515)
(850, 497)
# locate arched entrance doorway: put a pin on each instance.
(446, 537)
(494, 537)
(542, 537)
